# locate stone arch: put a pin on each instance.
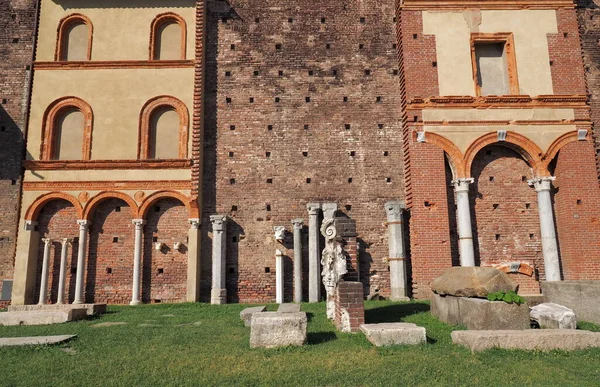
(453, 155)
(34, 209)
(93, 203)
(191, 205)
(152, 106)
(530, 152)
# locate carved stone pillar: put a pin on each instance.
(297, 224)
(314, 272)
(542, 186)
(329, 210)
(79, 279)
(218, 293)
(193, 269)
(279, 277)
(44, 279)
(398, 278)
(137, 261)
(63, 271)
(465, 230)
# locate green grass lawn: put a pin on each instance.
(199, 344)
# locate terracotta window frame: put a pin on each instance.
(61, 35)
(51, 115)
(161, 20)
(145, 120)
(511, 61)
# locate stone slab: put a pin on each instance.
(109, 324)
(472, 282)
(272, 329)
(37, 340)
(41, 317)
(92, 309)
(288, 308)
(480, 314)
(579, 296)
(246, 314)
(394, 334)
(553, 316)
(530, 339)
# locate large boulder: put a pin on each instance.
(472, 282)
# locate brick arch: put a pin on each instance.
(65, 23)
(159, 21)
(34, 209)
(93, 203)
(454, 155)
(558, 144)
(531, 153)
(190, 204)
(49, 122)
(145, 118)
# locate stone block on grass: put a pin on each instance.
(246, 314)
(472, 282)
(553, 316)
(288, 308)
(394, 334)
(92, 309)
(272, 329)
(42, 317)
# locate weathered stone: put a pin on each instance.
(553, 316)
(394, 334)
(42, 317)
(36, 340)
(272, 329)
(246, 314)
(579, 296)
(531, 339)
(91, 308)
(109, 324)
(288, 308)
(479, 314)
(472, 282)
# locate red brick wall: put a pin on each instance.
(57, 220)
(565, 55)
(16, 40)
(350, 298)
(577, 211)
(167, 221)
(107, 254)
(504, 214)
(374, 128)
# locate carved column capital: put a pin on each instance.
(279, 232)
(313, 208)
(218, 222)
(297, 223)
(462, 185)
(194, 223)
(46, 241)
(66, 240)
(393, 210)
(83, 224)
(329, 210)
(138, 223)
(541, 183)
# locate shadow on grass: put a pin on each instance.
(320, 337)
(394, 313)
(431, 340)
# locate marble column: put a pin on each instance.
(297, 225)
(63, 271)
(398, 278)
(137, 261)
(218, 293)
(465, 230)
(79, 279)
(44, 279)
(193, 269)
(542, 186)
(279, 277)
(314, 272)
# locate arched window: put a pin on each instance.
(163, 129)
(74, 41)
(168, 37)
(67, 130)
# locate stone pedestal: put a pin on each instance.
(349, 307)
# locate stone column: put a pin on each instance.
(549, 243)
(83, 235)
(193, 269)
(297, 225)
(465, 231)
(44, 279)
(279, 277)
(63, 271)
(218, 293)
(137, 261)
(398, 278)
(314, 272)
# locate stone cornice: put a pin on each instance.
(38, 165)
(505, 101)
(457, 5)
(116, 64)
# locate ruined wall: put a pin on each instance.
(303, 105)
(16, 40)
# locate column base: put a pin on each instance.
(218, 296)
(78, 302)
(135, 302)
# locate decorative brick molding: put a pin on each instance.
(144, 146)
(51, 115)
(105, 185)
(161, 20)
(191, 205)
(35, 208)
(71, 165)
(506, 101)
(113, 65)
(198, 118)
(485, 4)
(90, 207)
(63, 25)
(349, 307)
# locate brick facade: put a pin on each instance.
(17, 19)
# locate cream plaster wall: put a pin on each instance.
(109, 175)
(116, 97)
(453, 29)
(121, 28)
